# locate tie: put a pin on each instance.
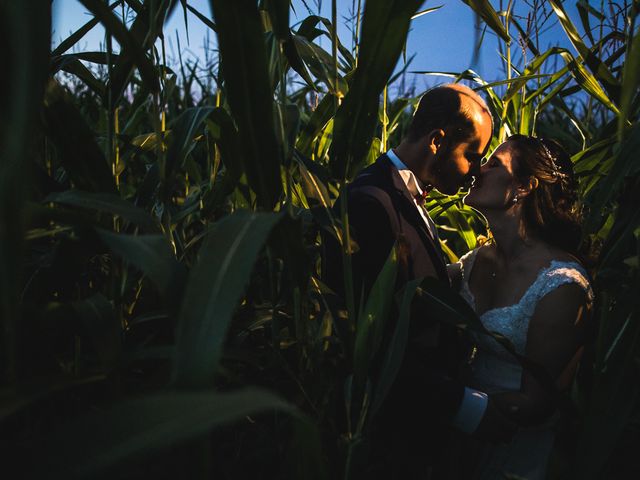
(421, 198)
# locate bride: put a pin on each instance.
(528, 286)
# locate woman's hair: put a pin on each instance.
(551, 209)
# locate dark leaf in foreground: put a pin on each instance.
(101, 439)
(104, 202)
(384, 31)
(246, 81)
(152, 254)
(215, 286)
(78, 150)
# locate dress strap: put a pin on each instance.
(550, 278)
(466, 264)
(561, 273)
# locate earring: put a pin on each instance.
(515, 199)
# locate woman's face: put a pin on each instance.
(496, 185)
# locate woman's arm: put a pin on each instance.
(555, 341)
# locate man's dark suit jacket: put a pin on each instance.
(425, 396)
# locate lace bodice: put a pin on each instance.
(494, 369)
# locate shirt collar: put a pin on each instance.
(408, 177)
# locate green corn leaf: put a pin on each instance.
(528, 74)
(598, 67)
(313, 187)
(313, 127)
(630, 81)
(149, 141)
(397, 110)
(144, 31)
(559, 103)
(310, 32)
(25, 33)
(76, 36)
(105, 202)
(93, 57)
(213, 291)
(131, 46)
(152, 254)
(72, 65)
(201, 17)
(395, 351)
(186, 127)
(150, 423)
(622, 234)
(625, 165)
(425, 11)
(584, 160)
(616, 393)
(586, 80)
(462, 227)
(246, 76)
(484, 9)
(583, 10)
(384, 29)
(99, 322)
(515, 83)
(223, 132)
(524, 36)
(279, 16)
(373, 318)
(292, 54)
(79, 153)
(536, 94)
(319, 63)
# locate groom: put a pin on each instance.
(446, 141)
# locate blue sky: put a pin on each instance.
(441, 41)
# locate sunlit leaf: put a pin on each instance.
(484, 9)
(595, 64)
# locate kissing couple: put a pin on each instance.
(526, 284)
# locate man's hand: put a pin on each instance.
(496, 425)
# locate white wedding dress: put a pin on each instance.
(495, 370)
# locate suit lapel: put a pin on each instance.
(409, 211)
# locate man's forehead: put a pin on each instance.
(482, 125)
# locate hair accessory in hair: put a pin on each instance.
(557, 173)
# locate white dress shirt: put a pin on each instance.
(474, 402)
(410, 180)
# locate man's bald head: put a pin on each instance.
(453, 107)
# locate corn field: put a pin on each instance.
(162, 307)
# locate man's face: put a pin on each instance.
(459, 161)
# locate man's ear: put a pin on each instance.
(435, 140)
